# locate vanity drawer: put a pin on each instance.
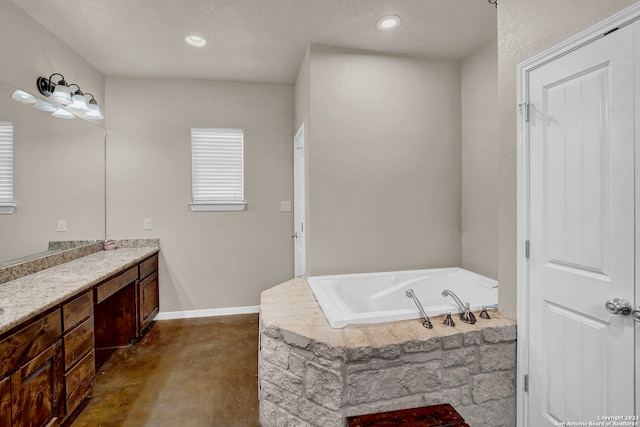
(79, 381)
(77, 310)
(78, 343)
(112, 286)
(148, 266)
(26, 343)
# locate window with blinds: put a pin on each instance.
(217, 169)
(6, 168)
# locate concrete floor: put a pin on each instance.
(183, 373)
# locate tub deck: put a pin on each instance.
(312, 375)
(292, 306)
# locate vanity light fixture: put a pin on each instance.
(196, 41)
(59, 92)
(79, 104)
(61, 95)
(388, 23)
(94, 112)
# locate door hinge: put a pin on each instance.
(611, 31)
(525, 109)
(526, 383)
(527, 249)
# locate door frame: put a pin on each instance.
(620, 19)
(299, 207)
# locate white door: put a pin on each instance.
(299, 241)
(582, 198)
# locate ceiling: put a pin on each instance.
(254, 40)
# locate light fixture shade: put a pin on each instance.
(23, 97)
(94, 112)
(45, 106)
(79, 104)
(61, 95)
(63, 114)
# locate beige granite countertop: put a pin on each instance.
(291, 306)
(28, 296)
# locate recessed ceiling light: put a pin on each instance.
(195, 41)
(388, 23)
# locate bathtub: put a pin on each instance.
(349, 299)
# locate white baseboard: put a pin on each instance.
(189, 314)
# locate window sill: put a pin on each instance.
(219, 206)
(7, 209)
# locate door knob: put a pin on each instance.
(294, 235)
(636, 314)
(619, 306)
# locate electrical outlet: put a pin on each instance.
(62, 225)
(147, 224)
(285, 206)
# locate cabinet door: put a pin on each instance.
(36, 390)
(148, 301)
(5, 402)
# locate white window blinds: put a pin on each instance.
(217, 175)
(6, 167)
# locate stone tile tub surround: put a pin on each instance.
(313, 375)
(22, 298)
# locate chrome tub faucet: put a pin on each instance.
(465, 312)
(425, 319)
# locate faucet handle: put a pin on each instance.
(467, 316)
(484, 314)
(448, 321)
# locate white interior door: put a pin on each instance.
(299, 236)
(581, 228)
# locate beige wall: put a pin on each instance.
(384, 162)
(479, 73)
(302, 93)
(526, 28)
(208, 259)
(58, 164)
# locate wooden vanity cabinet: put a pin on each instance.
(147, 294)
(36, 392)
(125, 305)
(79, 354)
(31, 391)
(5, 402)
(115, 314)
(48, 364)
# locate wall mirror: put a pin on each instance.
(59, 175)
